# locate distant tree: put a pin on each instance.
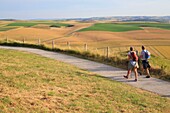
(55, 26)
(70, 25)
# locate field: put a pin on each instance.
(122, 27)
(6, 28)
(111, 27)
(117, 36)
(156, 25)
(29, 24)
(41, 30)
(31, 83)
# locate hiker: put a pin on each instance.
(132, 63)
(145, 55)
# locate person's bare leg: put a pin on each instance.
(128, 73)
(143, 71)
(136, 74)
(147, 72)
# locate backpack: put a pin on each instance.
(134, 56)
(147, 55)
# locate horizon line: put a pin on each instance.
(81, 17)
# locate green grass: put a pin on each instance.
(122, 27)
(157, 25)
(29, 24)
(32, 83)
(111, 27)
(6, 28)
(25, 24)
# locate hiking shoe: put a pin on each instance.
(125, 77)
(139, 73)
(148, 76)
(136, 80)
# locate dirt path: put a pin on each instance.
(150, 84)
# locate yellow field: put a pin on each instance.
(42, 32)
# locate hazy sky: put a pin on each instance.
(31, 9)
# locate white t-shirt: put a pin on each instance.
(143, 54)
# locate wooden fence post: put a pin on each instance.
(39, 41)
(24, 40)
(104, 51)
(96, 50)
(85, 47)
(107, 52)
(68, 45)
(53, 44)
(6, 39)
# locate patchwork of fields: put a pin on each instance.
(118, 36)
(43, 30)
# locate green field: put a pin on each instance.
(29, 24)
(6, 28)
(111, 27)
(25, 24)
(156, 25)
(122, 27)
(31, 83)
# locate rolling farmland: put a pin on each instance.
(117, 36)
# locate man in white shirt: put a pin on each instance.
(145, 55)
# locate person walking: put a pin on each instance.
(145, 55)
(132, 63)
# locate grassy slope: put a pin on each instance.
(33, 83)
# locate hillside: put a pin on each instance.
(37, 84)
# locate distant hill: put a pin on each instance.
(126, 18)
(111, 18)
(7, 19)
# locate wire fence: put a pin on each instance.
(108, 51)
